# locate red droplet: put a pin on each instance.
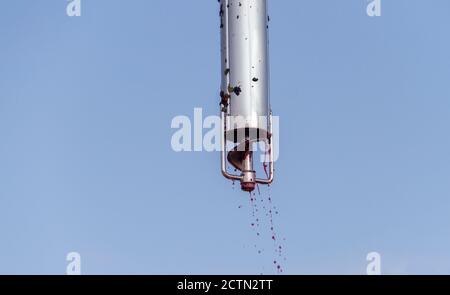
(265, 169)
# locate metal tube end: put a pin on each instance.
(248, 182)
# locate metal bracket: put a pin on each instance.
(223, 153)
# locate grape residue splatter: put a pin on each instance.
(262, 224)
(272, 211)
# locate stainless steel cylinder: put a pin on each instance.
(246, 115)
(245, 72)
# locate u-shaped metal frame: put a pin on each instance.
(223, 153)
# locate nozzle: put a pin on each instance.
(248, 182)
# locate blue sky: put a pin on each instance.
(86, 163)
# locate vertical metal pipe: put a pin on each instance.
(247, 52)
(244, 86)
